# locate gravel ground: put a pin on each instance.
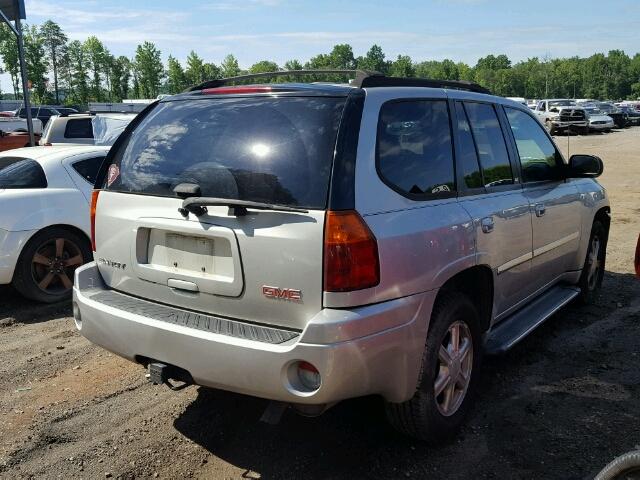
(561, 405)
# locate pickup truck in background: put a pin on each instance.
(561, 115)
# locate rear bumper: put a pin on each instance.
(375, 349)
(11, 244)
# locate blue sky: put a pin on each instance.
(280, 30)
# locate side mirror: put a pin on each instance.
(585, 166)
(554, 110)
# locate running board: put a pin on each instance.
(520, 324)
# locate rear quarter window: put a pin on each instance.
(414, 148)
(79, 128)
(88, 168)
(25, 173)
(276, 150)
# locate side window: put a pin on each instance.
(45, 112)
(78, 128)
(492, 149)
(26, 173)
(468, 158)
(88, 168)
(538, 156)
(414, 148)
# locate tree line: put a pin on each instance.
(75, 72)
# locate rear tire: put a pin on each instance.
(437, 418)
(594, 263)
(46, 266)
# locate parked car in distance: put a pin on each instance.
(16, 124)
(11, 140)
(81, 128)
(561, 114)
(66, 110)
(598, 121)
(620, 119)
(633, 115)
(313, 243)
(43, 113)
(44, 221)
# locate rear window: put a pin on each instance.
(273, 150)
(79, 128)
(25, 173)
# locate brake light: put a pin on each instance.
(92, 214)
(350, 253)
(235, 90)
(637, 259)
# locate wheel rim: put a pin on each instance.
(455, 364)
(594, 263)
(53, 265)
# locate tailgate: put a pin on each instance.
(265, 267)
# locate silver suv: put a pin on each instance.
(309, 243)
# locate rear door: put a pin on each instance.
(492, 194)
(265, 266)
(555, 202)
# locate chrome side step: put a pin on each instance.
(517, 326)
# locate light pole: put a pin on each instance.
(14, 10)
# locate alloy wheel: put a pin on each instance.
(594, 263)
(53, 265)
(453, 372)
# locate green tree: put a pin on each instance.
(37, 67)
(79, 66)
(211, 71)
(176, 78)
(55, 42)
(229, 67)
(96, 57)
(264, 66)
(9, 53)
(194, 73)
(374, 60)
(149, 69)
(120, 75)
(341, 57)
(402, 67)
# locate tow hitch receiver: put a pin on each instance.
(160, 373)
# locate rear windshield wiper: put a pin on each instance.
(198, 206)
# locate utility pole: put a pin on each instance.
(25, 86)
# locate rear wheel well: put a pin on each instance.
(477, 284)
(69, 228)
(604, 216)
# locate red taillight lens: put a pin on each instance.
(92, 213)
(235, 90)
(637, 259)
(350, 253)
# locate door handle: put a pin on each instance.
(487, 224)
(540, 209)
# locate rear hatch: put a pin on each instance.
(262, 266)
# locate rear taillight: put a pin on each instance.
(92, 213)
(350, 253)
(637, 259)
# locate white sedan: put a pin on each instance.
(44, 217)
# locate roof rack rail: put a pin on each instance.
(359, 76)
(363, 79)
(382, 81)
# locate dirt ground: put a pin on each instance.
(560, 405)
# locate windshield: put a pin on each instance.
(561, 103)
(276, 150)
(593, 111)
